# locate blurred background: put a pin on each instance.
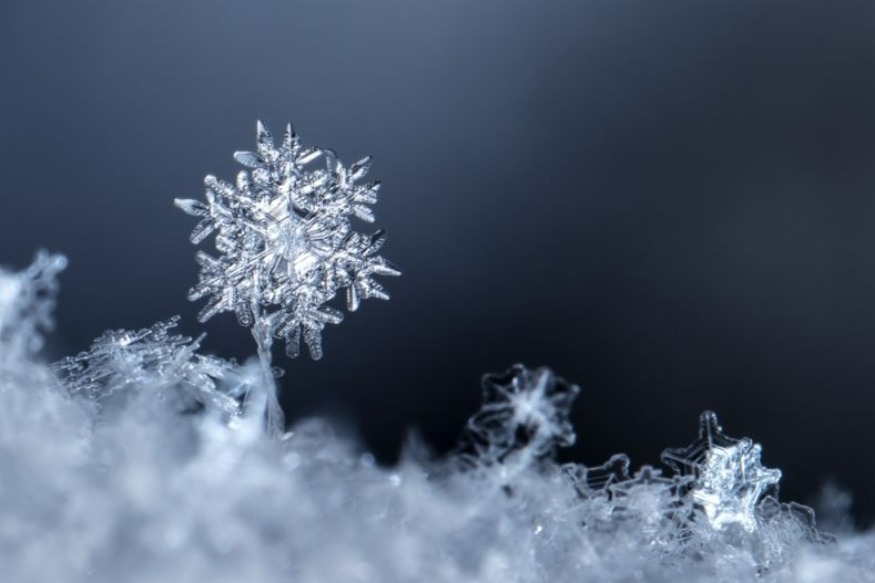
(671, 204)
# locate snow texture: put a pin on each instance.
(285, 241)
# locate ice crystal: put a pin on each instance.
(285, 241)
(729, 478)
(596, 480)
(524, 417)
(154, 360)
(27, 299)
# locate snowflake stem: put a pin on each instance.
(263, 334)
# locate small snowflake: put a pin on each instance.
(121, 359)
(655, 503)
(522, 410)
(285, 241)
(729, 479)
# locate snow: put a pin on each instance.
(143, 460)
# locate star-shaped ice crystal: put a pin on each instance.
(729, 479)
(285, 241)
(522, 409)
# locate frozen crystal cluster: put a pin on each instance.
(144, 460)
(154, 360)
(285, 241)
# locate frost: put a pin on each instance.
(153, 360)
(654, 502)
(27, 299)
(524, 418)
(127, 492)
(286, 243)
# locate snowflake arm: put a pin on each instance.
(357, 265)
(595, 480)
(27, 299)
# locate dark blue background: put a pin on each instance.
(670, 203)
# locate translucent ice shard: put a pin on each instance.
(285, 241)
(729, 479)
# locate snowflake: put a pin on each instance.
(523, 411)
(286, 243)
(597, 480)
(27, 299)
(120, 360)
(729, 479)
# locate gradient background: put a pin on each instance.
(669, 203)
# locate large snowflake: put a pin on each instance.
(285, 241)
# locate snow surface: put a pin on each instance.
(141, 460)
